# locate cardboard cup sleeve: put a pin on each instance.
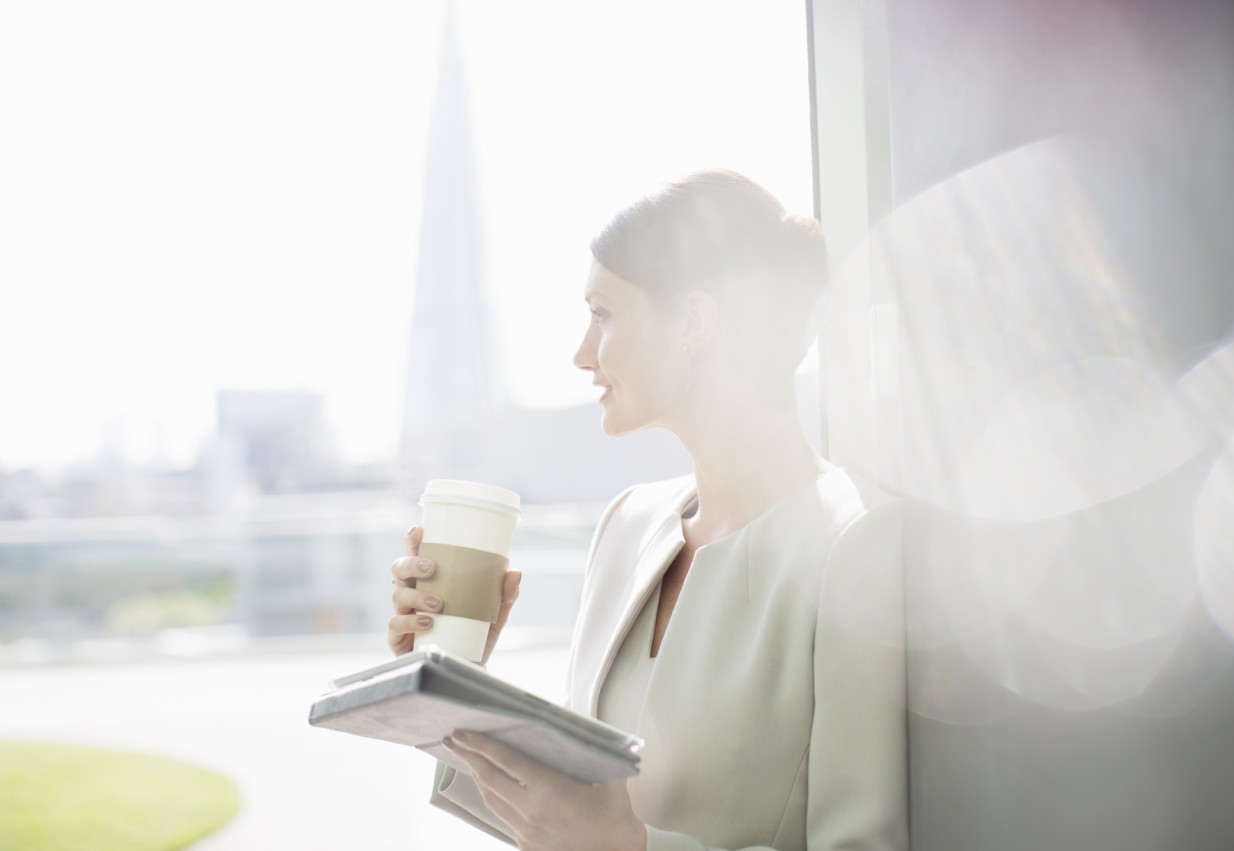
(469, 582)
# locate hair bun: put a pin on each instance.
(805, 250)
(706, 228)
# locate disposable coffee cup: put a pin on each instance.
(467, 532)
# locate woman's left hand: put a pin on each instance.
(547, 810)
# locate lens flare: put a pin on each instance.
(1214, 541)
(991, 360)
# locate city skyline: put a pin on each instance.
(251, 225)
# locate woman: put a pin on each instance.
(717, 619)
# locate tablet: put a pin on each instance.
(420, 698)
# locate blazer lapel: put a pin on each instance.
(658, 552)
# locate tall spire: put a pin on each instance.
(452, 376)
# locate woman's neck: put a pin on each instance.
(744, 463)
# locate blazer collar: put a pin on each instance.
(657, 552)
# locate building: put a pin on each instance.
(459, 421)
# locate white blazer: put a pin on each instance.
(775, 714)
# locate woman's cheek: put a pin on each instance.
(604, 353)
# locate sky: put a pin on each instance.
(196, 197)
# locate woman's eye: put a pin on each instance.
(599, 313)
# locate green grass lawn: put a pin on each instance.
(62, 798)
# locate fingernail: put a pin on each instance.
(432, 602)
(424, 623)
(448, 742)
(424, 566)
(459, 737)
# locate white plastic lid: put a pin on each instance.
(472, 493)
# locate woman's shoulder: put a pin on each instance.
(849, 492)
(667, 495)
(814, 517)
(648, 504)
(863, 526)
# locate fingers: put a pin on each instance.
(411, 541)
(400, 643)
(487, 771)
(496, 787)
(410, 567)
(407, 569)
(401, 630)
(522, 770)
(410, 624)
(408, 600)
(410, 605)
(494, 778)
(509, 593)
(542, 806)
(509, 587)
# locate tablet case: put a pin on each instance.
(424, 696)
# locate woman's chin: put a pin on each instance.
(610, 429)
(614, 426)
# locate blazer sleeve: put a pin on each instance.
(857, 761)
(455, 793)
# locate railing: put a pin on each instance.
(294, 572)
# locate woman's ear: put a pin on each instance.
(702, 317)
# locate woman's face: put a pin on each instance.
(633, 348)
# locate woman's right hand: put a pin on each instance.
(411, 607)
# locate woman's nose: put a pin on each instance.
(585, 357)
